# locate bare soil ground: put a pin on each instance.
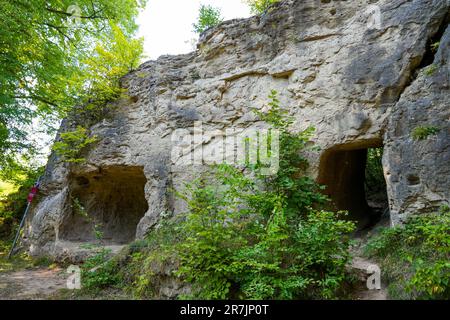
(45, 283)
(32, 284)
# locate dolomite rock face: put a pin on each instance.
(352, 69)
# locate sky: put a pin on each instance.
(166, 25)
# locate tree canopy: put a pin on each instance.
(53, 55)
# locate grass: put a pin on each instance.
(18, 262)
(430, 70)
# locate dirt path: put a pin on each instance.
(41, 284)
(31, 284)
(360, 265)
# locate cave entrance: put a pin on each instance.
(355, 182)
(106, 206)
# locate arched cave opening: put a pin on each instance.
(105, 206)
(354, 180)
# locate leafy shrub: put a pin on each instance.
(208, 17)
(147, 261)
(241, 242)
(423, 132)
(415, 258)
(72, 143)
(99, 81)
(99, 271)
(257, 237)
(260, 6)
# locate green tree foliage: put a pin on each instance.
(415, 258)
(72, 143)
(44, 57)
(98, 80)
(98, 83)
(430, 70)
(260, 6)
(375, 181)
(208, 17)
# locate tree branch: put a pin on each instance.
(93, 16)
(33, 97)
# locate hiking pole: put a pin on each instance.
(34, 190)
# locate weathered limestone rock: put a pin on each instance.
(345, 67)
(418, 172)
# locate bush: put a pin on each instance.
(72, 144)
(146, 262)
(251, 236)
(99, 271)
(415, 258)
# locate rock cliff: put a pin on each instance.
(362, 72)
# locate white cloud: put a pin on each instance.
(166, 25)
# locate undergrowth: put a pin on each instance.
(415, 258)
(245, 235)
(20, 260)
(99, 271)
